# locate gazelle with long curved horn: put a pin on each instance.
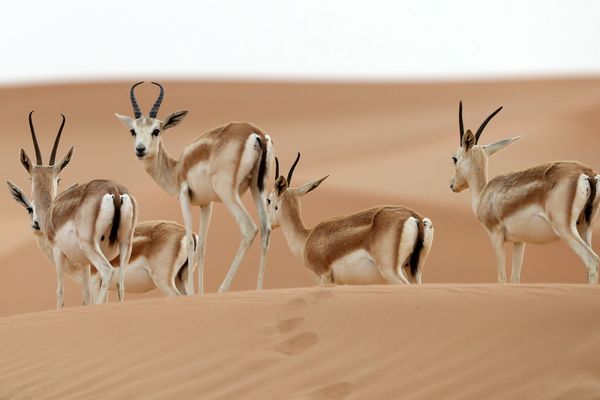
(220, 165)
(370, 247)
(85, 224)
(158, 257)
(556, 200)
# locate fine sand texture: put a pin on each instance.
(484, 341)
(385, 143)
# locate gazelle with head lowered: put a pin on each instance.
(85, 224)
(556, 200)
(220, 165)
(370, 247)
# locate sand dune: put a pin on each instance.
(428, 342)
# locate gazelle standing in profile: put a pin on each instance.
(556, 200)
(85, 224)
(220, 165)
(370, 247)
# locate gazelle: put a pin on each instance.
(556, 200)
(82, 225)
(370, 247)
(220, 165)
(158, 258)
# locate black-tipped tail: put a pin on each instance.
(416, 254)
(262, 168)
(114, 230)
(589, 205)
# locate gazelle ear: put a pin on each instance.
(65, 161)
(174, 119)
(468, 140)
(127, 121)
(499, 145)
(310, 186)
(25, 161)
(18, 195)
(280, 185)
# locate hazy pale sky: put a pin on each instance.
(308, 39)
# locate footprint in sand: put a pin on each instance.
(289, 325)
(297, 344)
(335, 391)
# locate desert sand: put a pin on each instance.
(458, 336)
(428, 342)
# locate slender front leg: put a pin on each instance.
(205, 215)
(517, 261)
(85, 283)
(498, 244)
(186, 210)
(260, 201)
(59, 260)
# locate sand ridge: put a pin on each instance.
(433, 341)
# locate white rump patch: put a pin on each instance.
(356, 268)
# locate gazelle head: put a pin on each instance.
(471, 159)
(44, 178)
(147, 130)
(283, 195)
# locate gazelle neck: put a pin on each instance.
(477, 181)
(293, 228)
(162, 168)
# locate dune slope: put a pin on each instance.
(425, 342)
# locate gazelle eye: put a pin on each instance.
(454, 160)
(132, 132)
(155, 132)
(269, 201)
(29, 210)
(58, 180)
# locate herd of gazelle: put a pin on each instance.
(95, 224)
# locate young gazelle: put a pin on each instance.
(220, 165)
(370, 247)
(158, 258)
(84, 223)
(556, 200)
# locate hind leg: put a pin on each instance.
(517, 262)
(585, 252)
(248, 229)
(126, 228)
(427, 243)
(260, 202)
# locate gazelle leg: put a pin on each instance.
(205, 216)
(248, 228)
(126, 228)
(517, 261)
(186, 209)
(94, 254)
(85, 283)
(59, 261)
(260, 201)
(585, 252)
(498, 244)
(167, 286)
